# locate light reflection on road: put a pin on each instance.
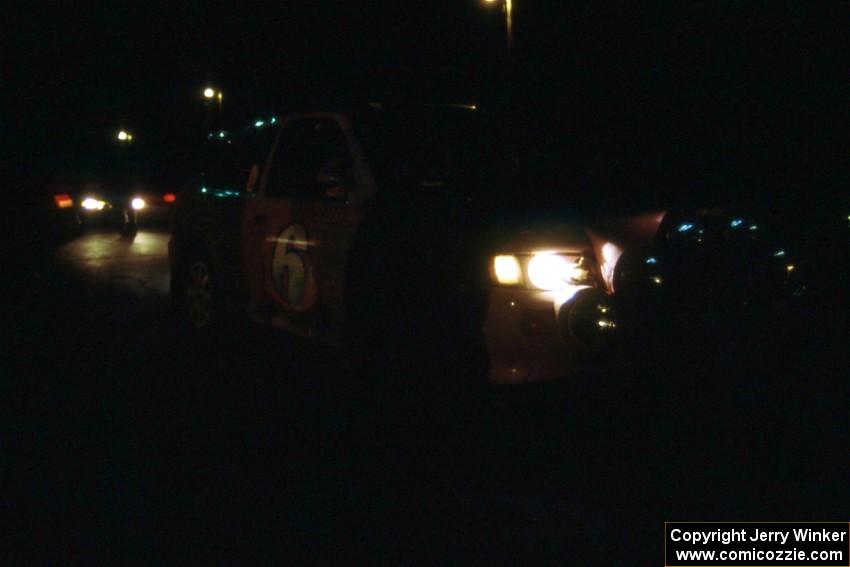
(138, 264)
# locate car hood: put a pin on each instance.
(568, 237)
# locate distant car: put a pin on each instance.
(52, 215)
(111, 186)
(123, 207)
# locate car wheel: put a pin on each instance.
(589, 319)
(200, 295)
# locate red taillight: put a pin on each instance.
(63, 201)
(169, 197)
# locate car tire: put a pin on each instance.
(580, 319)
(198, 301)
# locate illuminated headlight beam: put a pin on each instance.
(138, 203)
(507, 270)
(550, 271)
(92, 204)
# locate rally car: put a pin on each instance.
(360, 227)
(551, 309)
(395, 232)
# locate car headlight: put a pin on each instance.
(137, 203)
(92, 204)
(507, 270)
(548, 271)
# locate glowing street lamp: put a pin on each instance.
(507, 6)
(211, 93)
(507, 9)
(124, 136)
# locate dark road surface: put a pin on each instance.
(131, 443)
(137, 265)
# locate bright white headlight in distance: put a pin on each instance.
(550, 271)
(138, 203)
(91, 204)
(507, 270)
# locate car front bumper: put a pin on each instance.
(528, 341)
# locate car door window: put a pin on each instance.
(307, 148)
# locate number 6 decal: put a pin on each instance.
(292, 282)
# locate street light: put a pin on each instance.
(507, 7)
(124, 136)
(211, 93)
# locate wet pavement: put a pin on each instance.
(133, 443)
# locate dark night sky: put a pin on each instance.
(81, 74)
(756, 81)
